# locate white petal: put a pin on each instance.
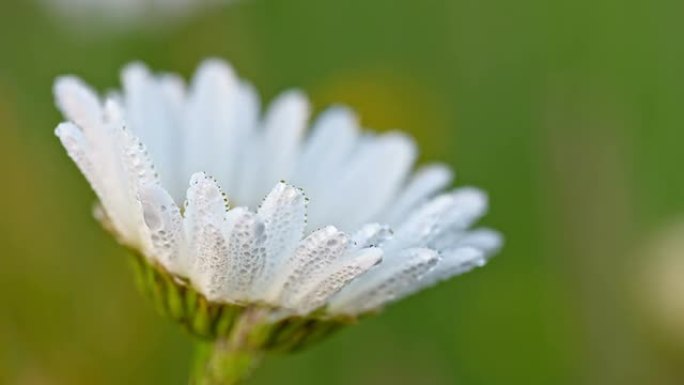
(453, 262)
(206, 204)
(75, 143)
(371, 234)
(211, 263)
(154, 113)
(315, 253)
(77, 101)
(247, 155)
(331, 140)
(372, 177)
(204, 223)
(387, 282)
(277, 149)
(81, 105)
(117, 161)
(247, 114)
(329, 145)
(284, 214)
(425, 182)
(448, 212)
(334, 278)
(246, 237)
(137, 164)
(165, 228)
(487, 240)
(211, 133)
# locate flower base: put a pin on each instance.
(211, 321)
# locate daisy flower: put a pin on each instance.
(240, 217)
(127, 13)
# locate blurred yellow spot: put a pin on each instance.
(386, 99)
(662, 286)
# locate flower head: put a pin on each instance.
(192, 179)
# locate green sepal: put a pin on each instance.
(178, 300)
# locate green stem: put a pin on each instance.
(221, 364)
(231, 359)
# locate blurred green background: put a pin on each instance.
(568, 112)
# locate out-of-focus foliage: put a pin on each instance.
(569, 113)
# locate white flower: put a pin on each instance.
(127, 13)
(371, 231)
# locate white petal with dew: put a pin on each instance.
(81, 105)
(452, 262)
(385, 283)
(164, 225)
(203, 225)
(77, 148)
(448, 212)
(313, 255)
(246, 245)
(211, 264)
(316, 292)
(371, 234)
(283, 213)
(153, 108)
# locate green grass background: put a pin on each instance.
(570, 113)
